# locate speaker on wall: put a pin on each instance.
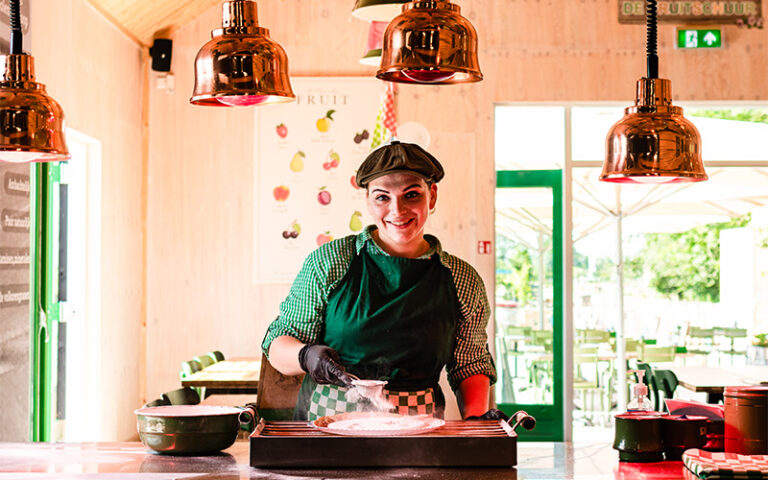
(160, 51)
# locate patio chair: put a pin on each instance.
(205, 360)
(189, 367)
(666, 381)
(590, 335)
(699, 340)
(158, 402)
(216, 355)
(586, 381)
(657, 354)
(732, 335)
(182, 396)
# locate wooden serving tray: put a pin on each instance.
(487, 443)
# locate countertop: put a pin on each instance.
(131, 460)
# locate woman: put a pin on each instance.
(387, 303)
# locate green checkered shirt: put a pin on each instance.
(302, 313)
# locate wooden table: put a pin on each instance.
(713, 380)
(235, 376)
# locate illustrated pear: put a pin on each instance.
(356, 223)
(297, 162)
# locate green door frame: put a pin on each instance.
(44, 309)
(549, 418)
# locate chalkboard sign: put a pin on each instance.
(14, 301)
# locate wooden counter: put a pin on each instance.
(537, 461)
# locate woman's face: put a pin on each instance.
(399, 204)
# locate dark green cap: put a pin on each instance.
(399, 157)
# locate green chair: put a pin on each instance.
(189, 367)
(182, 396)
(205, 360)
(158, 402)
(542, 338)
(586, 380)
(657, 354)
(700, 340)
(216, 355)
(590, 335)
(666, 382)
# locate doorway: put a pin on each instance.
(529, 298)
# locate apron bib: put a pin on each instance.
(390, 318)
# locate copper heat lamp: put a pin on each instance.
(241, 65)
(378, 10)
(653, 143)
(31, 122)
(430, 42)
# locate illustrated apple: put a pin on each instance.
(323, 124)
(324, 196)
(353, 182)
(281, 193)
(282, 130)
(324, 238)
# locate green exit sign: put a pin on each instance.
(699, 38)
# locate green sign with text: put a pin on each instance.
(699, 38)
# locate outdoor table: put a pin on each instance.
(713, 380)
(227, 377)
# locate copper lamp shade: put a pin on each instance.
(241, 65)
(653, 143)
(31, 122)
(378, 10)
(430, 42)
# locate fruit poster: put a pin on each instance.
(307, 153)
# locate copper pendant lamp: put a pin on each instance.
(431, 43)
(241, 65)
(378, 10)
(31, 122)
(653, 143)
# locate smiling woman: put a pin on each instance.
(387, 304)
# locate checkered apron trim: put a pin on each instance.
(719, 465)
(332, 400)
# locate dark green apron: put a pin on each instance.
(391, 318)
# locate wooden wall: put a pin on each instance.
(95, 72)
(200, 292)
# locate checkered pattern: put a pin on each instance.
(421, 402)
(390, 119)
(329, 400)
(719, 465)
(379, 132)
(302, 313)
(332, 400)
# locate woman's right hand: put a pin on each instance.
(321, 363)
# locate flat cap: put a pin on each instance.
(399, 157)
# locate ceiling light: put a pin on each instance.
(378, 10)
(31, 122)
(430, 42)
(241, 65)
(653, 143)
(373, 54)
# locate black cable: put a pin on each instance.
(651, 36)
(15, 28)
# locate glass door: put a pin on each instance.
(529, 292)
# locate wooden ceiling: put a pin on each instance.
(141, 19)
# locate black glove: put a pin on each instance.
(322, 364)
(491, 414)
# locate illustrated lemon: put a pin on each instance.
(324, 124)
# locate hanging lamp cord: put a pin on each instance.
(15, 28)
(651, 36)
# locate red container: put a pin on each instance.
(746, 420)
